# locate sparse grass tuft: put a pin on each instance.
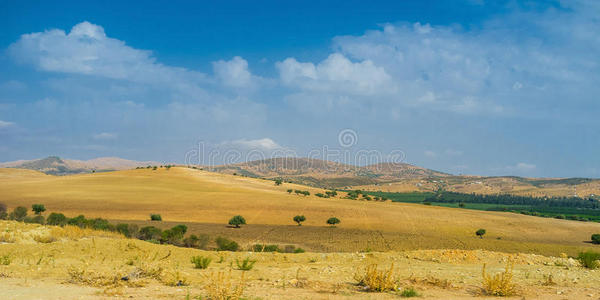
(409, 292)
(374, 280)
(245, 265)
(499, 284)
(5, 260)
(589, 259)
(201, 262)
(221, 286)
(44, 238)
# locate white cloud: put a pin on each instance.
(105, 136)
(5, 124)
(335, 74)
(234, 72)
(453, 152)
(525, 167)
(258, 144)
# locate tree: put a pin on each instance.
(237, 221)
(56, 219)
(278, 181)
(480, 233)
(19, 213)
(333, 221)
(596, 238)
(155, 217)
(299, 219)
(38, 208)
(149, 233)
(290, 191)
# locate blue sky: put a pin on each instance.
(474, 87)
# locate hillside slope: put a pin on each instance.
(206, 200)
(54, 165)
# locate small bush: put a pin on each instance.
(596, 238)
(290, 191)
(5, 260)
(245, 265)
(237, 221)
(333, 221)
(56, 219)
(38, 208)
(409, 292)
(299, 250)
(155, 217)
(3, 211)
(38, 220)
(374, 280)
(149, 233)
(174, 235)
(123, 229)
(271, 248)
(258, 248)
(289, 249)
(201, 262)
(299, 219)
(224, 244)
(19, 213)
(79, 221)
(480, 233)
(500, 284)
(194, 241)
(589, 259)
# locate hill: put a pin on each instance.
(205, 201)
(54, 165)
(321, 173)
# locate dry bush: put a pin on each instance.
(7, 237)
(174, 278)
(44, 238)
(374, 280)
(5, 260)
(75, 233)
(222, 286)
(432, 281)
(82, 276)
(501, 283)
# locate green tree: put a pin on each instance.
(480, 233)
(38, 208)
(333, 221)
(278, 181)
(149, 233)
(155, 217)
(224, 244)
(299, 219)
(237, 221)
(290, 191)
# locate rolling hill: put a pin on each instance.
(205, 201)
(54, 165)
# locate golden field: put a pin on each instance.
(205, 201)
(70, 263)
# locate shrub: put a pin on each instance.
(290, 191)
(596, 238)
(38, 220)
(331, 193)
(299, 250)
(237, 221)
(333, 221)
(221, 286)
(271, 248)
(500, 284)
(19, 213)
(79, 221)
(224, 244)
(5, 260)
(245, 265)
(299, 219)
(589, 259)
(409, 292)
(56, 219)
(480, 233)
(278, 181)
(258, 248)
(201, 262)
(123, 229)
(155, 217)
(100, 224)
(174, 235)
(374, 280)
(194, 241)
(3, 211)
(38, 208)
(289, 249)
(149, 233)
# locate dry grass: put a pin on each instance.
(374, 280)
(130, 196)
(500, 284)
(222, 286)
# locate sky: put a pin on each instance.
(465, 87)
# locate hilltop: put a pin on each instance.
(55, 165)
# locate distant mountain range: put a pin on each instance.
(55, 165)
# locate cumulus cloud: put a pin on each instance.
(234, 72)
(105, 136)
(337, 73)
